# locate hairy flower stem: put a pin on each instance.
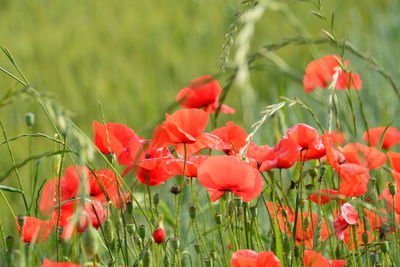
(180, 195)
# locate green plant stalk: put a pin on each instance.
(180, 195)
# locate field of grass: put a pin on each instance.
(132, 57)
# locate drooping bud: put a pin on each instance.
(313, 172)
(175, 189)
(89, 242)
(30, 119)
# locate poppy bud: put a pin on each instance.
(30, 119)
(129, 207)
(365, 237)
(192, 212)
(159, 235)
(238, 201)
(175, 189)
(392, 189)
(253, 212)
(175, 243)
(56, 164)
(146, 258)
(89, 242)
(8, 255)
(108, 230)
(197, 247)
(156, 199)
(10, 243)
(218, 218)
(130, 228)
(142, 231)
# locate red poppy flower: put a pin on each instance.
(154, 166)
(34, 230)
(348, 216)
(118, 139)
(355, 180)
(324, 196)
(314, 259)
(394, 159)
(93, 213)
(48, 263)
(320, 73)
(185, 126)
(333, 157)
(360, 154)
(202, 93)
(306, 137)
(219, 174)
(250, 258)
(191, 166)
(391, 138)
(233, 138)
(258, 154)
(284, 155)
(337, 137)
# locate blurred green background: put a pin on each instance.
(134, 56)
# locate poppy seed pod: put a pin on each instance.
(129, 207)
(142, 231)
(175, 189)
(392, 189)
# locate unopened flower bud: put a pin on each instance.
(108, 230)
(192, 212)
(365, 238)
(159, 235)
(89, 242)
(56, 164)
(146, 258)
(175, 243)
(142, 231)
(197, 248)
(175, 189)
(129, 207)
(156, 199)
(30, 119)
(9, 243)
(392, 189)
(238, 201)
(253, 212)
(218, 218)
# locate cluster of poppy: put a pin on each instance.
(175, 150)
